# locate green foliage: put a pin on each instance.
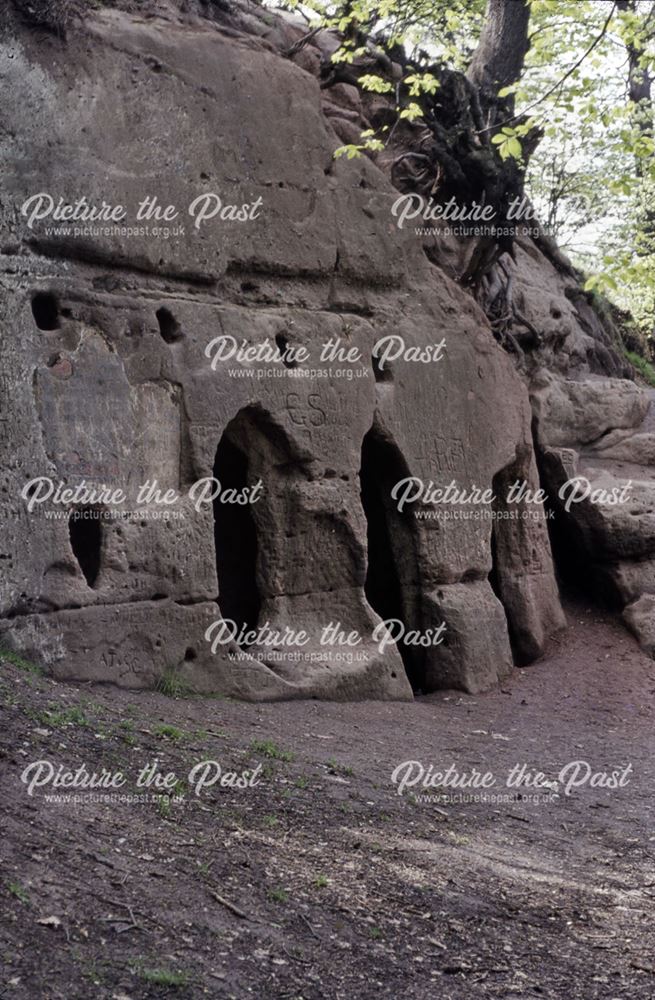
(165, 977)
(353, 150)
(57, 718)
(173, 686)
(269, 749)
(18, 892)
(7, 656)
(375, 84)
(168, 732)
(592, 176)
(644, 367)
(508, 143)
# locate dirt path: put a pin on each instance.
(321, 881)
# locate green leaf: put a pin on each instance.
(375, 84)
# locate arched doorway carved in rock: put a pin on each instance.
(248, 537)
(393, 586)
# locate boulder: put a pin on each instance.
(640, 619)
(575, 413)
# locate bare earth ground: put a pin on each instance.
(321, 881)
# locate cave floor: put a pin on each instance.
(321, 881)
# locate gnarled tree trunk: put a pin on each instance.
(499, 57)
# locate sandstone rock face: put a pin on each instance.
(602, 486)
(582, 412)
(640, 619)
(111, 378)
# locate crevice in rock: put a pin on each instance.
(90, 254)
(25, 610)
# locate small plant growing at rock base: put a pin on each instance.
(17, 891)
(168, 732)
(7, 656)
(56, 718)
(172, 685)
(164, 806)
(164, 977)
(270, 749)
(337, 768)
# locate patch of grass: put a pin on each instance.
(126, 732)
(375, 933)
(27, 666)
(278, 895)
(269, 749)
(173, 686)
(165, 977)
(168, 732)
(180, 788)
(270, 820)
(321, 881)
(96, 970)
(302, 782)
(644, 367)
(164, 806)
(337, 768)
(56, 718)
(18, 892)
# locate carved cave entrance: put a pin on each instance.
(85, 531)
(392, 580)
(235, 533)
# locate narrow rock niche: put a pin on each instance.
(392, 585)
(45, 311)
(85, 530)
(169, 328)
(235, 532)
